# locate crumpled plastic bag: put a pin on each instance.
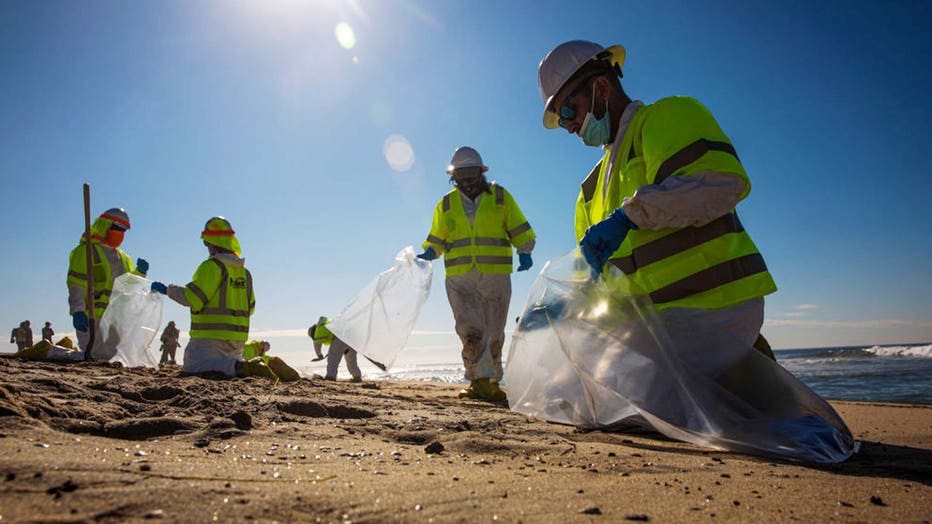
(379, 319)
(598, 355)
(129, 324)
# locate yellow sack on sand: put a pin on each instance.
(66, 342)
(38, 351)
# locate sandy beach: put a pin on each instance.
(95, 442)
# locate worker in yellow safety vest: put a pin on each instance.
(260, 349)
(221, 299)
(660, 204)
(322, 336)
(476, 226)
(108, 263)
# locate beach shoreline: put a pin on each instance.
(95, 442)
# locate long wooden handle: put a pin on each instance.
(89, 301)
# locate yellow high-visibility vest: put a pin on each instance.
(709, 267)
(323, 335)
(102, 271)
(222, 300)
(486, 244)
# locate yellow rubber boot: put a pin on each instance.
(285, 372)
(258, 368)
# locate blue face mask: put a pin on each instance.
(596, 131)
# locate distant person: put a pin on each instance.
(221, 299)
(25, 335)
(17, 336)
(48, 332)
(475, 228)
(170, 343)
(108, 263)
(260, 349)
(338, 349)
(660, 205)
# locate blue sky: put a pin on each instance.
(179, 111)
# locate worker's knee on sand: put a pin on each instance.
(255, 368)
(285, 372)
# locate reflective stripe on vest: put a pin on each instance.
(710, 278)
(208, 322)
(688, 155)
(103, 273)
(712, 266)
(681, 240)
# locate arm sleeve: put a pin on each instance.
(437, 237)
(203, 286)
(177, 293)
(518, 228)
(682, 201)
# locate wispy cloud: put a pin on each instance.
(878, 323)
(807, 306)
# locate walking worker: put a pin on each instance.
(660, 204)
(47, 331)
(221, 299)
(170, 343)
(475, 227)
(338, 349)
(108, 263)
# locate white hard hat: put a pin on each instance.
(466, 157)
(562, 62)
(117, 216)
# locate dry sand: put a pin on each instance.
(94, 442)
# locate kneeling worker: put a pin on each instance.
(221, 299)
(260, 349)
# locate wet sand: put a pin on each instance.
(95, 442)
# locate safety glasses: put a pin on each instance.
(567, 112)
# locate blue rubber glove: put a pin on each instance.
(428, 254)
(602, 239)
(524, 261)
(142, 265)
(79, 321)
(159, 287)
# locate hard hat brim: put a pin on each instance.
(551, 120)
(450, 168)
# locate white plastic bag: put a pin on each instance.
(379, 319)
(129, 324)
(597, 354)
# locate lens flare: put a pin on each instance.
(345, 35)
(398, 152)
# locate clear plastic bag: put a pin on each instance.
(379, 319)
(597, 354)
(129, 324)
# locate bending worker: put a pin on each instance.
(338, 349)
(221, 299)
(108, 263)
(660, 204)
(475, 226)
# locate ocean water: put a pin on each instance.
(901, 373)
(865, 373)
